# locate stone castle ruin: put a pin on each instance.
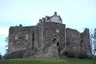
(49, 38)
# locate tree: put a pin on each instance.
(6, 53)
(0, 56)
(6, 40)
(94, 41)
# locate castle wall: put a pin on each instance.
(49, 38)
(73, 41)
(51, 31)
(78, 43)
(20, 38)
(85, 42)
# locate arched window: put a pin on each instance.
(56, 40)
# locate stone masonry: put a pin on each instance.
(49, 38)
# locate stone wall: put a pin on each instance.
(78, 43)
(20, 38)
(49, 38)
(73, 41)
(53, 38)
(85, 42)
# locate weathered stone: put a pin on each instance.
(49, 38)
(85, 42)
(73, 41)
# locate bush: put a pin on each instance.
(82, 56)
(5, 56)
(93, 57)
(14, 55)
(69, 54)
(0, 56)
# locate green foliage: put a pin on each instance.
(0, 56)
(6, 40)
(14, 55)
(94, 42)
(69, 54)
(48, 61)
(5, 56)
(82, 56)
(94, 35)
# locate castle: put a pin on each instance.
(49, 38)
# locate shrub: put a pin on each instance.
(69, 54)
(5, 56)
(0, 56)
(14, 55)
(82, 56)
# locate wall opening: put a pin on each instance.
(33, 36)
(54, 40)
(33, 39)
(81, 43)
(58, 43)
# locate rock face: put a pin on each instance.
(49, 38)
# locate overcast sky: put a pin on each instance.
(76, 14)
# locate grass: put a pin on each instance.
(48, 61)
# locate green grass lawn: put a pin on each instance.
(48, 61)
